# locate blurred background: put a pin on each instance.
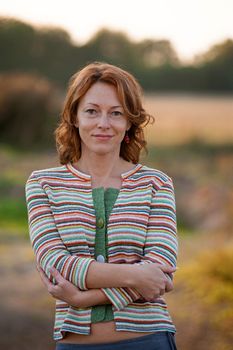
(182, 54)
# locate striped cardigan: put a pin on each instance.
(141, 229)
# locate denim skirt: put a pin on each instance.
(155, 341)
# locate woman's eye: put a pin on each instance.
(91, 111)
(117, 113)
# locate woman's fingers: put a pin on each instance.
(43, 276)
(62, 289)
(154, 296)
(158, 283)
(167, 268)
(57, 276)
(54, 272)
(48, 284)
(162, 292)
(169, 285)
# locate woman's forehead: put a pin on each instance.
(101, 93)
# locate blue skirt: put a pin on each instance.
(155, 341)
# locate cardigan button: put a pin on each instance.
(100, 258)
(100, 223)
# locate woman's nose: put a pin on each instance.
(103, 120)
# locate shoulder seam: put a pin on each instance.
(157, 174)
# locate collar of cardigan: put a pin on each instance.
(87, 177)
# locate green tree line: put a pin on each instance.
(51, 53)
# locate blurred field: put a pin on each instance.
(180, 118)
(191, 141)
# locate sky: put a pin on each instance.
(192, 26)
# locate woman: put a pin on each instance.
(103, 226)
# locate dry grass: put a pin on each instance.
(201, 303)
(179, 118)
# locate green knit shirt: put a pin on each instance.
(104, 200)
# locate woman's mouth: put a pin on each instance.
(102, 137)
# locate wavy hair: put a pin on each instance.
(129, 92)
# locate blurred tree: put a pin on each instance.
(50, 52)
(28, 109)
(157, 53)
(216, 66)
(45, 51)
(16, 40)
(113, 47)
(221, 53)
(54, 54)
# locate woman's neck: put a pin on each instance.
(104, 170)
(101, 166)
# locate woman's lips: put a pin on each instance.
(102, 137)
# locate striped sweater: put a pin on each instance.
(141, 229)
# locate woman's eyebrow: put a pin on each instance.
(116, 107)
(95, 104)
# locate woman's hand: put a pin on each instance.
(67, 292)
(63, 289)
(151, 280)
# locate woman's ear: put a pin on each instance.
(76, 124)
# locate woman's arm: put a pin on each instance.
(47, 244)
(67, 292)
(161, 243)
(64, 290)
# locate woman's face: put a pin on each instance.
(101, 120)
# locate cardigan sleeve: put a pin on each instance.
(121, 297)
(161, 243)
(46, 241)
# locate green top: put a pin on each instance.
(104, 200)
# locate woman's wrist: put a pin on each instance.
(131, 275)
